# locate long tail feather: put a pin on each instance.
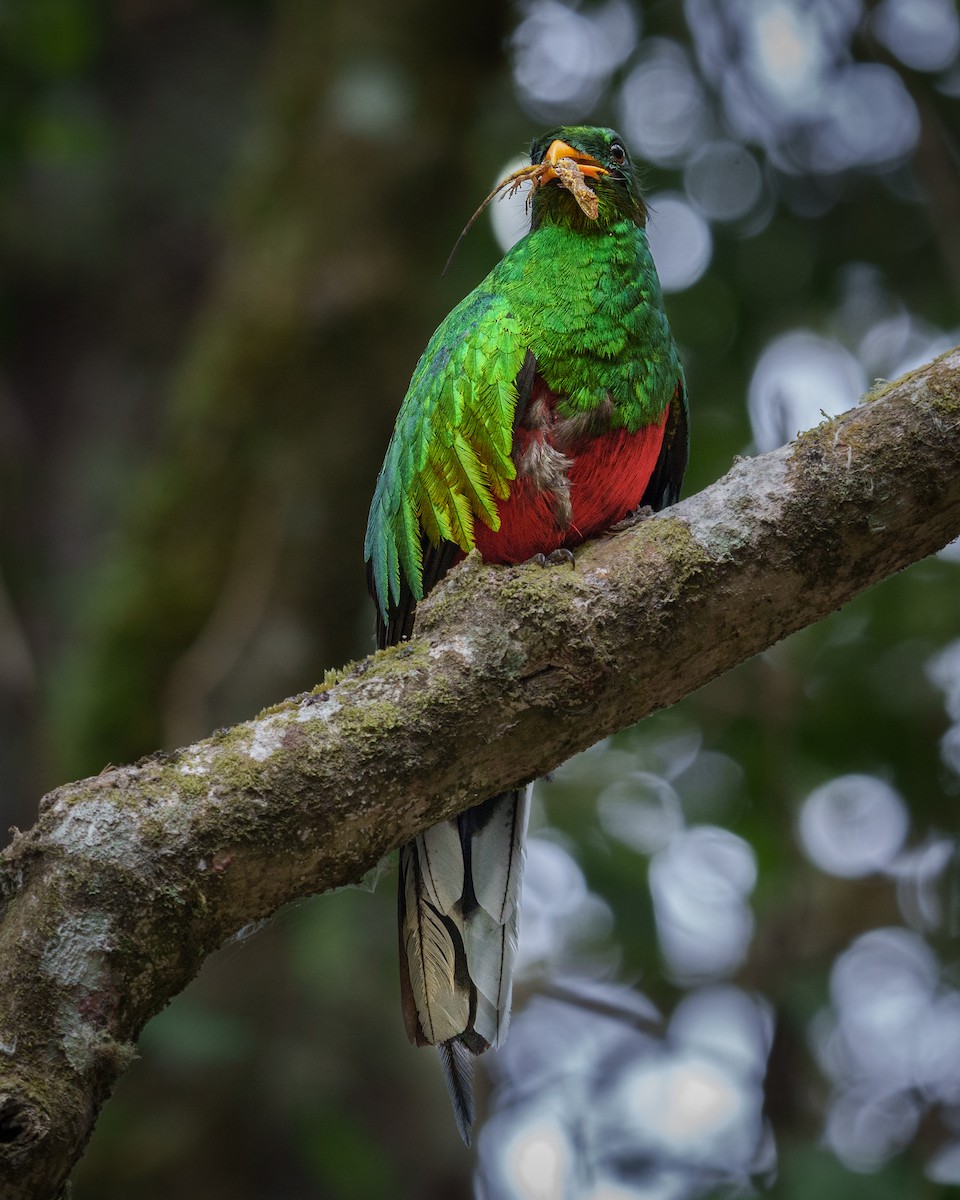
(457, 1063)
(436, 1002)
(459, 918)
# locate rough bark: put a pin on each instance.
(128, 879)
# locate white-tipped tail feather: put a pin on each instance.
(459, 916)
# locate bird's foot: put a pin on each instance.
(554, 558)
(631, 519)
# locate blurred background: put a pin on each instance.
(222, 226)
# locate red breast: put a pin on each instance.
(607, 476)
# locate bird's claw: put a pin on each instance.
(643, 513)
(554, 558)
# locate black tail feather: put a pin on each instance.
(457, 1063)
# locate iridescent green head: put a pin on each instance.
(575, 161)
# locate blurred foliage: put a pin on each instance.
(222, 226)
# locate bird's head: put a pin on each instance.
(583, 175)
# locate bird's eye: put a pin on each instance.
(617, 152)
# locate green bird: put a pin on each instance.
(547, 407)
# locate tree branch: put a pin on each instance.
(129, 879)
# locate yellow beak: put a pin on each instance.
(558, 149)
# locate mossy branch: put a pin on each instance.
(128, 880)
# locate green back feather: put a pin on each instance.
(449, 459)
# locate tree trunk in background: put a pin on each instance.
(244, 539)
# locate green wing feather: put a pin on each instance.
(449, 459)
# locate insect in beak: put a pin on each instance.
(561, 162)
